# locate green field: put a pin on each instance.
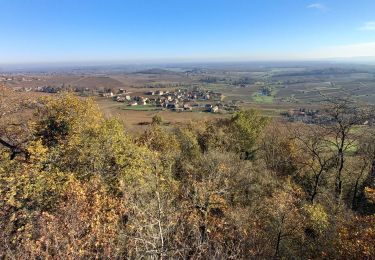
(259, 98)
(141, 108)
(262, 99)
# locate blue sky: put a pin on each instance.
(186, 30)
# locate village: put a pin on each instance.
(180, 100)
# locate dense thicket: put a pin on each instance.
(76, 185)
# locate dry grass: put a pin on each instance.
(135, 120)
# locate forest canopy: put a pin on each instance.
(74, 184)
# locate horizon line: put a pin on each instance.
(181, 61)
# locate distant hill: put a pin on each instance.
(158, 71)
(324, 72)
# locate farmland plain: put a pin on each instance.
(271, 88)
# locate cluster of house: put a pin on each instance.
(179, 100)
(303, 115)
(186, 95)
(62, 88)
(3, 79)
(47, 89)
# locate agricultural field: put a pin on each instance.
(141, 108)
(243, 85)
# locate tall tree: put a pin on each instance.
(342, 116)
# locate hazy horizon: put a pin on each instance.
(165, 62)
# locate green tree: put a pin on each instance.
(157, 120)
(244, 128)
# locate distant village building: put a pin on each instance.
(187, 107)
(208, 107)
(48, 89)
(171, 106)
(107, 95)
(120, 99)
(303, 115)
(215, 109)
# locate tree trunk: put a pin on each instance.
(315, 188)
(338, 183)
(354, 200)
(278, 244)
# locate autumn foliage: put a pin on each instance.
(79, 186)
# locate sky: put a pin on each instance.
(50, 31)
